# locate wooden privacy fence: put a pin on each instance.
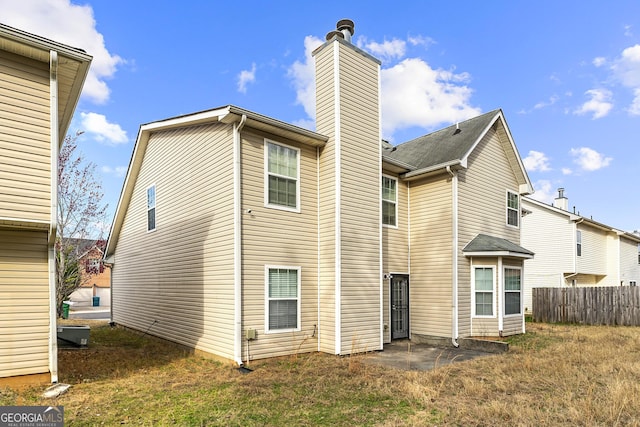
(591, 306)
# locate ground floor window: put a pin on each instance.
(512, 291)
(282, 298)
(483, 290)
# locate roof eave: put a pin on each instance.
(508, 254)
(435, 169)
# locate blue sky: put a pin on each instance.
(565, 73)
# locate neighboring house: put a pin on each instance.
(572, 250)
(95, 277)
(246, 237)
(40, 83)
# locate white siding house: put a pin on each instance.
(572, 250)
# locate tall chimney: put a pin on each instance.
(561, 202)
(348, 112)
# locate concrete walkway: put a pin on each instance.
(90, 312)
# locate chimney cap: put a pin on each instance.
(333, 33)
(346, 24)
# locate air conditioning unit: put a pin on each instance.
(77, 336)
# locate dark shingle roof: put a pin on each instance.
(492, 244)
(443, 146)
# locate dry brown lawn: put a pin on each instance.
(554, 375)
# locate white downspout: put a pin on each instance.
(53, 221)
(318, 236)
(237, 238)
(454, 284)
(499, 297)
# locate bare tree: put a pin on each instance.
(81, 217)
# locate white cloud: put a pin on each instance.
(544, 191)
(118, 171)
(385, 51)
(302, 75)
(245, 77)
(101, 129)
(414, 94)
(566, 171)
(599, 105)
(536, 161)
(421, 41)
(599, 61)
(634, 108)
(73, 25)
(588, 159)
(552, 100)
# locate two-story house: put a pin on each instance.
(246, 237)
(40, 83)
(573, 250)
(95, 277)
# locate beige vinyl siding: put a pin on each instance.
(431, 244)
(24, 303)
(550, 235)
(177, 281)
(629, 266)
(482, 195)
(327, 192)
(278, 237)
(25, 158)
(594, 251)
(360, 202)
(395, 250)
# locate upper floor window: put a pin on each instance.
(513, 208)
(512, 291)
(483, 291)
(151, 208)
(283, 298)
(389, 201)
(579, 243)
(282, 170)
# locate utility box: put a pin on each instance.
(77, 336)
(252, 334)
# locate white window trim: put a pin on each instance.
(493, 292)
(504, 291)
(155, 207)
(507, 208)
(395, 202)
(579, 243)
(266, 177)
(266, 298)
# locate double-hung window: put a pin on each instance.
(579, 243)
(389, 201)
(513, 208)
(151, 208)
(483, 290)
(282, 170)
(512, 291)
(282, 298)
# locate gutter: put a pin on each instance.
(435, 168)
(237, 237)
(454, 237)
(53, 225)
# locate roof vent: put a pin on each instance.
(345, 28)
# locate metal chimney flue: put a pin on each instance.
(344, 26)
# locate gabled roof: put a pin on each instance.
(73, 66)
(577, 218)
(452, 146)
(228, 114)
(485, 245)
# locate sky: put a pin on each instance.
(565, 73)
